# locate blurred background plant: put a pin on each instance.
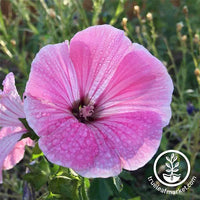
(168, 28)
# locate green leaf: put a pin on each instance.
(164, 143)
(126, 175)
(66, 187)
(119, 10)
(52, 196)
(36, 152)
(67, 172)
(101, 189)
(39, 173)
(118, 183)
(87, 182)
(25, 123)
(135, 198)
(37, 180)
(3, 27)
(54, 168)
(31, 134)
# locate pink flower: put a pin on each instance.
(11, 108)
(98, 104)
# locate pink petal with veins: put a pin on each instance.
(99, 104)
(11, 109)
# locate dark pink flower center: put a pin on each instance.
(84, 110)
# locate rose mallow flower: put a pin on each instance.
(98, 103)
(11, 109)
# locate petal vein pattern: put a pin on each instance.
(100, 105)
(11, 109)
(104, 47)
(53, 76)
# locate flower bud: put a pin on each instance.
(196, 39)
(185, 10)
(143, 21)
(136, 10)
(179, 26)
(197, 72)
(65, 2)
(137, 29)
(184, 38)
(149, 16)
(13, 42)
(52, 13)
(124, 21)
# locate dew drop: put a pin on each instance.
(39, 115)
(44, 114)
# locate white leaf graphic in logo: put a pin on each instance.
(172, 168)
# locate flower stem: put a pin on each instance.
(83, 190)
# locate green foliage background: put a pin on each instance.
(26, 26)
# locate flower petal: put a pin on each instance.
(67, 142)
(17, 153)
(131, 90)
(135, 137)
(101, 149)
(10, 156)
(52, 77)
(71, 144)
(11, 106)
(96, 53)
(44, 117)
(141, 83)
(75, 145)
